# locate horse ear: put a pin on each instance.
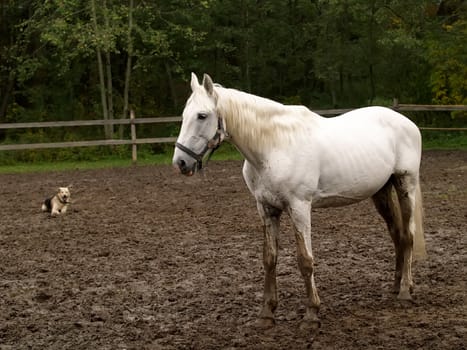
(208, 84)
(194, 82)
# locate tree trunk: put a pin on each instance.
(6, 96)
(108, 69)
(246, 47)
(126, 90)
(109, 91)
(100, 68)
(372, 84)
(171, 84)
(105, 113)
(372, 53)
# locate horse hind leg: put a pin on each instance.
(387, 206)
(411, 235)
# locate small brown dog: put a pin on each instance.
(58, 204)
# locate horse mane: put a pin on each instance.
(259, 122)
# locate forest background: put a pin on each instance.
(97, 59)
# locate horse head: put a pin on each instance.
(202, 128)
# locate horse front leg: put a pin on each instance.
(271, 220)
(300, 213)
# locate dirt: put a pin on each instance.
(147, 259)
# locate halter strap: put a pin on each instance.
(212, 145)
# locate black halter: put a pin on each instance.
(212, 145)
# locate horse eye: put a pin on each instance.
(202, 116)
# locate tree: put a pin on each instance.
(447, 53)
(106, 92)
(126, 90)
(17, 62)
(367, 49)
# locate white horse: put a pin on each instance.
(296, 159)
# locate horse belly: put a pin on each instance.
(326, 199)
(351, 181)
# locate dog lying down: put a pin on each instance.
(58, 204)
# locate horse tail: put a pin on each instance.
(419, 249)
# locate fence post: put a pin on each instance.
(134, 155)
(395, 103)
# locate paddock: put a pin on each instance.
(141, 260)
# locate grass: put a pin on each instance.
(77, 165)
(444, 140)
(226, 152)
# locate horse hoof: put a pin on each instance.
(265, 323)
(404, 295)
(310, 324)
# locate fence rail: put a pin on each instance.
(134, 141)
(93, 122)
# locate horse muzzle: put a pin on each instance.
(186, 167)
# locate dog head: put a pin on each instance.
(63, 194)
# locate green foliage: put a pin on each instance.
(448, 54)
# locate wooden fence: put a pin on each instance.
(134, 141)
(132, 121)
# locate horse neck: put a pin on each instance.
(257, 125)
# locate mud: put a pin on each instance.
(147, 259)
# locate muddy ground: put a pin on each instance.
(147, 259)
